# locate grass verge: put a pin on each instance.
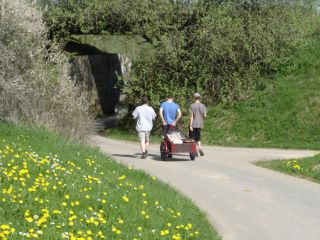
(116, 133)
(308, 168)
(52, 188)
(284, 113)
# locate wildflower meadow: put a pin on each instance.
(59, 190)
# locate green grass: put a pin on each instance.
(119, 134)
(52, 188)
(134, 47)
(308, 168)
(286, 114)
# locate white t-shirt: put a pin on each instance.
(145, 116)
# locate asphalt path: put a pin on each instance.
(241, 200)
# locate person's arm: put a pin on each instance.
(161, 116)
(135, 114)
(191, 121)
(177, 118)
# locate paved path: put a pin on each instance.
(242, 201)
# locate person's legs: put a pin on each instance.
(164, 130)
(142, 137)
(196, 136)
(200, 149)
(143, 145)
(198, 140)
(147, 142)
(193, 135)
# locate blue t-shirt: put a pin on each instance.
(169, 112)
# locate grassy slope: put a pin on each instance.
(119, 134)
(58, 159)
(133, 47)
(308, 168)
(286, 114)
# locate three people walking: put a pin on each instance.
(170, 114)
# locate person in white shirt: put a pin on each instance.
(145, 115)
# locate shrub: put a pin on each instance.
(220, 49)
(35, 86)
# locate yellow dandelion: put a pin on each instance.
(125, 198)
(29, 219)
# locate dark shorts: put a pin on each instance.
(166, 129)
(195, 134)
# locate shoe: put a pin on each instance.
(201, 152)
(144, 155)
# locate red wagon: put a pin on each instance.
(175, 142)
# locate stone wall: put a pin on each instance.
(99, 74)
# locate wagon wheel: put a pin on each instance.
(192, 156)
(163, 152)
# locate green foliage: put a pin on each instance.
(308, 168)
(53, 188)
(35, 84)
(122, 134)
(222, 49)
(112, 16)
(284, 114)
(133, 47)
(219, 50)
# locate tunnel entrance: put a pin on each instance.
(98, 71)
(105, 69)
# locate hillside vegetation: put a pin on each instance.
(52, 188)
(35, 84)
(218, 48)
(285, 112)
(133, 47)
(282, 112)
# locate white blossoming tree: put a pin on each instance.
(35, 85)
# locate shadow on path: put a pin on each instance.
(173, 159)
(153, 157)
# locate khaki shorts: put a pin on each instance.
(144, 136)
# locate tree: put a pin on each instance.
(35, 84)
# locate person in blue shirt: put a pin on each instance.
(169, 113)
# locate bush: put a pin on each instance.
(220, 50)
(35, 86)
